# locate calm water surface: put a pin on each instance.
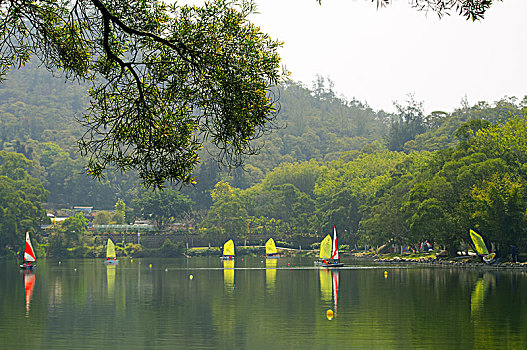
(258, 304)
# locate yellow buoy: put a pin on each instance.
(385, 274)
(150, 266)
(191, 277)
(131, 260)
(329, 314)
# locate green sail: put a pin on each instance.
(481, 247)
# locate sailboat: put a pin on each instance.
(329, 251)
(481, 248)
(228, 250)
(270, 249)
(30, 258)
(111, 259)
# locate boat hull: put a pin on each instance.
(26, 267)
(490, 258)
(328, 265)
(333, 265)
(272, 256)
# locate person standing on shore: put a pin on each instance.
(514, 253)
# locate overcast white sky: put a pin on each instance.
(379, 56)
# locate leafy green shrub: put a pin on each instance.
(207, 251)
(283, 244)
(250, 250)
(170, 249)
(133, 249)
(56, 247)
(78, 252)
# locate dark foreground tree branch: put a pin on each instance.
(164, 78)
(470, 9)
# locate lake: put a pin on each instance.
(258, 304)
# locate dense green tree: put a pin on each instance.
(119, 214)
(347, 186)
(162, 207)
(73, 229)
(21, 198)
(406, 124)
(227, 217)
(102, 217)
(500, 207)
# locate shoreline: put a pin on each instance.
(462, 261)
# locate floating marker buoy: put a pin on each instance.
(60, 262)
(131, 260)
(329, 314)
(191, 277)
(288, 264)
(150, 266)
(385, 274)
(75, 269)
(166, 270)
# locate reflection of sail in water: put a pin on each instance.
(110, 276)
(329, 287)
(326, 285)
(477, 299)
(270, 273)
(479, 314)
(335, 274)
(228, 274)
(29, 284)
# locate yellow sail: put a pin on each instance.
(481, 247)
(270, 247)
(325, 248)
(110, 249)
(228, 248)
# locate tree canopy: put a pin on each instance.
(164, 78)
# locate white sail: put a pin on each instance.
(335, 251)
(29, 253)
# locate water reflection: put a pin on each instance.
(110, 278)
(228, 275)
(29, 284)
(270, 274)
(329, 287)
(335, 274)
(427, 308)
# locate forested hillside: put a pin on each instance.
(405, 176)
